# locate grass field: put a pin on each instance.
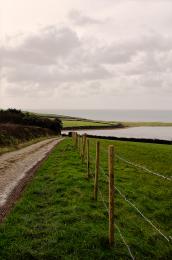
(57, 218)
(72, 123)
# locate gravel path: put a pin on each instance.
(14, 166)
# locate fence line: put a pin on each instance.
(92, 163)
(143, 168)
(117, 227)
(132, 204)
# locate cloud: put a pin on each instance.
(47, 75)
(78, 18)
(42, 48)
(54, 58)
(122, 51)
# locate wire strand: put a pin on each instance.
(145, 218)
(117, 227)
(132, 204)
(143, 168)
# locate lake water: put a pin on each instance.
(116, 115)
(163, 133)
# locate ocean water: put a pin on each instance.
(115, 115)
(148, 132)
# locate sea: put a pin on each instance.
(146, 132)
(114, 114)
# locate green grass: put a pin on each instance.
(57, 218)
(72, 123)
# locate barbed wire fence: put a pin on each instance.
(94, 169)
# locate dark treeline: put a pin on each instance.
(118, 125)
(24, 118)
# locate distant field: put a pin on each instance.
(72, 123)
(75, 123)
(69, 121)
(57, 217)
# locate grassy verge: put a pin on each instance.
(15, 147)
(14, 136)
(57, 219)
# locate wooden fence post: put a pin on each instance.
(84, 145)
(81, 145)
(97, 168)
(76, 140)
(111, 194)
(73, 138)
(88, 159)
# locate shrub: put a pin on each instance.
(24, 118)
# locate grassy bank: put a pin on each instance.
(57, 218)
(14, 136)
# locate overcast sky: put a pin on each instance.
(86, 54)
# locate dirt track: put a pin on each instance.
(15, 166)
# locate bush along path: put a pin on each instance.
(57, 218)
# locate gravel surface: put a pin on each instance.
(14, 166)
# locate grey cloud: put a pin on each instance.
(54, 57)
(124, 51)
(21, 55)
(56, 42)
(45, 75)
(79, 18)
(43, 48)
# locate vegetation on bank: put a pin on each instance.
(15, 116)
(17, 127)
(12, 136)
(57, 217)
